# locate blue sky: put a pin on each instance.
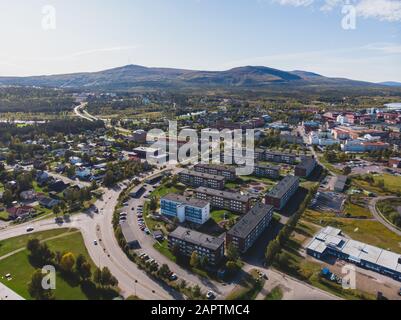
(93, 35)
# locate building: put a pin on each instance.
(187, 241)
(280, 157)
(363, 146)
(394, 162)
(129, 236)
(144, 152)
(137, 191)
(231, 201)
(340, 183)
(139, 136)
(266, 171)
(197, 179)
(322, 138)
(218, 170)
(305, 167)
(282, 192)
(244, 234)
(331, 242)
(185, 209)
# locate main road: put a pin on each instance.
(107, 253)
(376, 214)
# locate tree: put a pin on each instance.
(232, 253)
(196, 291)
(67, 262)
(164, 271)
(108, 179)
(7, 197)
(194, 262)
(83, 268)
(35, 287)
(56, 210)
(347, 170)
(97, 276)
(271, 251)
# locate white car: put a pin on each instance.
(210, 295)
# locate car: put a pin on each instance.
(95, 242)
(29, 229)
(173, 277)
(210, 295)
(147, 231)
(123, 219)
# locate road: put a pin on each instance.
(147, 242)
(7, 294)
(82, 113)
(107, 253)
(372, 207)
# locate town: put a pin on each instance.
(321, 184)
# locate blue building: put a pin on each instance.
(185, 209)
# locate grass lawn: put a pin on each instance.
(222, 215)
(356, 210)
(248, 287)
(369, 231)
(275, 294)
(389, 210)
(164, 250)
(4, 215)
(392, 184)
(21, 269)
(12, 244)
(164, 189)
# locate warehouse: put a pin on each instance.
(331, 242)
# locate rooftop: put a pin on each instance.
(224, 194)
(184, 200)
(249, 221)
(202, 175)
(283, 186)
(215, 167)
(197, 238)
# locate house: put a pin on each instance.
(28, 195)
(58, 186)
(21, 212)
(47, 202)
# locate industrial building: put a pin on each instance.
(331, 242)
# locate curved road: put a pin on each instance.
(376, 214)
(107, 253)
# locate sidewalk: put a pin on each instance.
(7, 294)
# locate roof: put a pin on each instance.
(184, 200)
(283, 186)
(197, 238)
(215, 167)
(356, 250)
(340, 182)
(249, 221)
(225, 194)
(306, 162)
(202, 175)
(128, 233)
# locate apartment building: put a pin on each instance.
(305, 168)
(185, 209)
(231, 201)
(217, 170)
(244, 234)
(188, 241)
(282, 192)
(280, 157)
(198, 179)
(266, 171)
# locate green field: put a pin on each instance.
(21, 270)
(392, 184)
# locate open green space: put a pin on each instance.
(248, 287)
(275, 294)
(21, 269)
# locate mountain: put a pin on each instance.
(134, 76)
(391, 84)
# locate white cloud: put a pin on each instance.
(389, 10)
(384, 10)
(295, 3)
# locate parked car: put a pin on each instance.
(210, 295)
(173, 277)
(29, 229)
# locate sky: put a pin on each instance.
(360, 39)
